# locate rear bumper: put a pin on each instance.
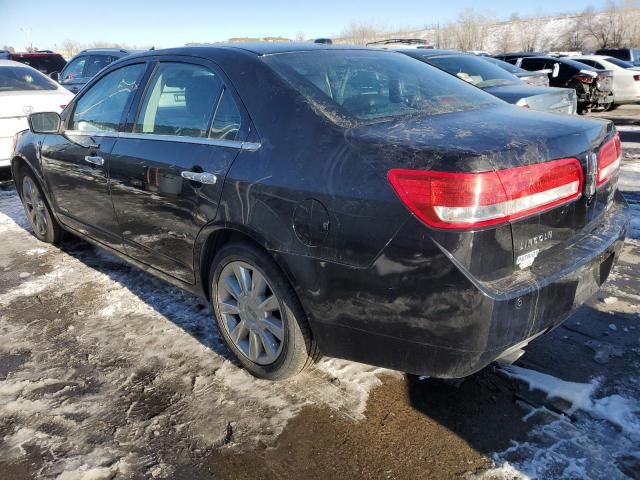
(421, 313)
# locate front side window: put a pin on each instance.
(101, 108)
(75, 69)
(180, 100)
(13, 79)
(367, 86)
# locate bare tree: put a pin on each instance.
(300, 36)
(504, 37)
(529, 34)
(608, 28)
(575, 36)
(9, 48)
(470, 30)
(360, 33)
(70, 48)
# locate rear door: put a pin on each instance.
(76, 161)
(167, 170)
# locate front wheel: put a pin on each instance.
(258, 313)
(44, 225)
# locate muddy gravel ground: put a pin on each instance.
(109, 373)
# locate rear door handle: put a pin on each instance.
(201, 177)
(94, 160)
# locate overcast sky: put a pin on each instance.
(166, 23)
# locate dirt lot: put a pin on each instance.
(108, 373)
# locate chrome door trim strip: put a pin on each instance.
(248, 146)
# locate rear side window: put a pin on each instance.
(591, 63)
(14, 79)
(180, 100)
(364, 86)
(101, 107)
(533, 65)
(227, 119)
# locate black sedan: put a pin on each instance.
(349, 202)
(593, 87)
(496, 81)
(538, 79)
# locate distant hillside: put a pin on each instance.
(563, 32)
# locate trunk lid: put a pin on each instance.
(544, 99)
(20, 103)
(496, 139)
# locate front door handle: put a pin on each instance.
(94, 160)
(201, 177)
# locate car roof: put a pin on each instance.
(12, 63)
(430, 52)
(109, 50)
(566, 60)
(257, 48)
(591, 57)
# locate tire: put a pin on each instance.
(262, 322)
(44, 225)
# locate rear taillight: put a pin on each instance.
(62, 107)
(636, 78)
(584, 78)
(609, 159)
(471, 200)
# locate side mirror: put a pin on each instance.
(44, 122)
(55, 76)
(556, 70)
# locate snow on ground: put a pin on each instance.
(594, 438)
(145, 357)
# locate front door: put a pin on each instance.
(76, 161)
(167, 173)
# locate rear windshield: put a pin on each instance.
(474, 70)
(505, 65)
(368, 86)
(23, 78)
(42, 62)
(618, 62)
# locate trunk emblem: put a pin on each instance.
(533, 241)
(590, 177)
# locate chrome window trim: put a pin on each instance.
(248, 146)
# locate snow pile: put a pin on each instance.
(601, 438)
(623, 412)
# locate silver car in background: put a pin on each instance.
(497, 81)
